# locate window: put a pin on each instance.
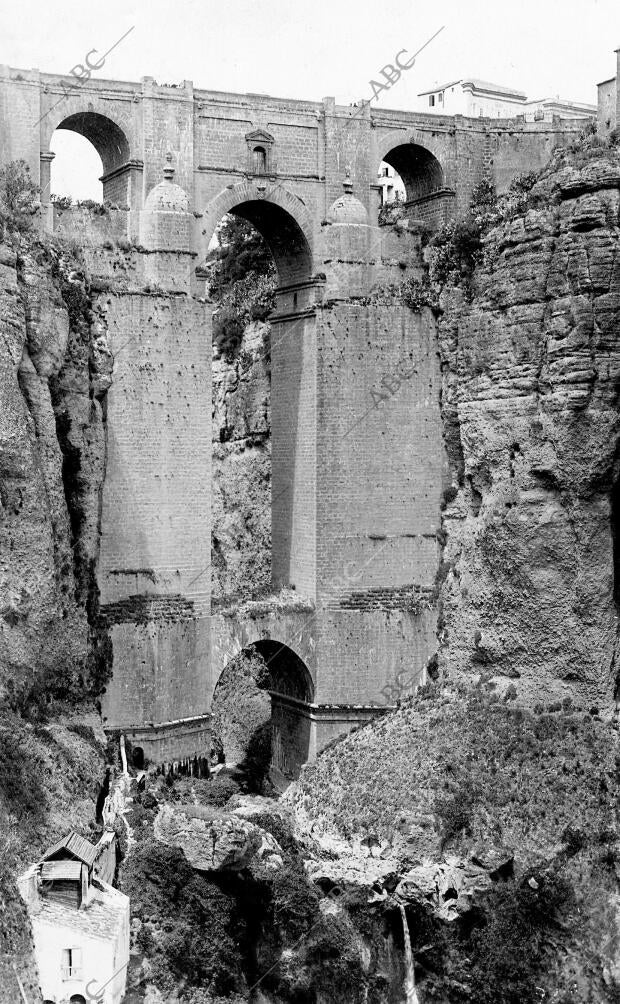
(441, 98)
(71, 964)
(431, 100)
(386, 172)
(260, 160)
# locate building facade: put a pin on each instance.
(480, 98)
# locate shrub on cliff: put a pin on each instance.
(248, 299)
(19, 199)
(189, 923)
(391, 212)
(457, 247)
(242, 281)
(521, 921)
(455, 251)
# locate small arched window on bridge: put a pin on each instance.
(259, 160)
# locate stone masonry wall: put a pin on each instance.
(154, 574)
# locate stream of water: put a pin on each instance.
(411, 994)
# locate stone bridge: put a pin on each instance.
(358, 455)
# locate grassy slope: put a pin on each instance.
(453, 772)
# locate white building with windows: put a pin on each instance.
(390, 183)
(474, 98)
(80, 925)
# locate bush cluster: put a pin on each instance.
(391, 212)
(242, 282)
(457, 247)
(19, 199)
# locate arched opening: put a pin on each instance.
(259, 160)
(76, 169)
(283, 236)
(261, 267)
(422, 176)
(107, 138)
(287, 674)
(420, 171)
(92, 160)
(138, 758)
(260, 715)
(77, 999)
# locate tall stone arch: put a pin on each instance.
(280, 216)
(424, 163)
(114, 140)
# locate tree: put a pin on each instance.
(242, 281)
(18, 198)
(241, 250)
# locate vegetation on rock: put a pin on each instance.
(242, 282)
(456, 773)
(19, 199)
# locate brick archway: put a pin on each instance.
(122, 172)
(279, 216)
(290, 686)
(421, 164)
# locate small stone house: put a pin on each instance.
(80, 923)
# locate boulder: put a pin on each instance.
(449, 887)
(216, 841)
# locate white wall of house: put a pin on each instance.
(391, 184)
(461, 98)
(96, 935)
(464, 97)
(92, 958)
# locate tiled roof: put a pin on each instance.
(443, 87)
(101, 917)
(485, 85)
(75, 845)
(478, 85)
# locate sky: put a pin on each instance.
(312, 48)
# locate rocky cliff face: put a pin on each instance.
(56, 370)
(493, 795)
(54, 373)
(531, 381)
(241, 507)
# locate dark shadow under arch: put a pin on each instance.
(250, 730)
(287, 673)
(420, 171)
(284, 237)
(107, 138)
